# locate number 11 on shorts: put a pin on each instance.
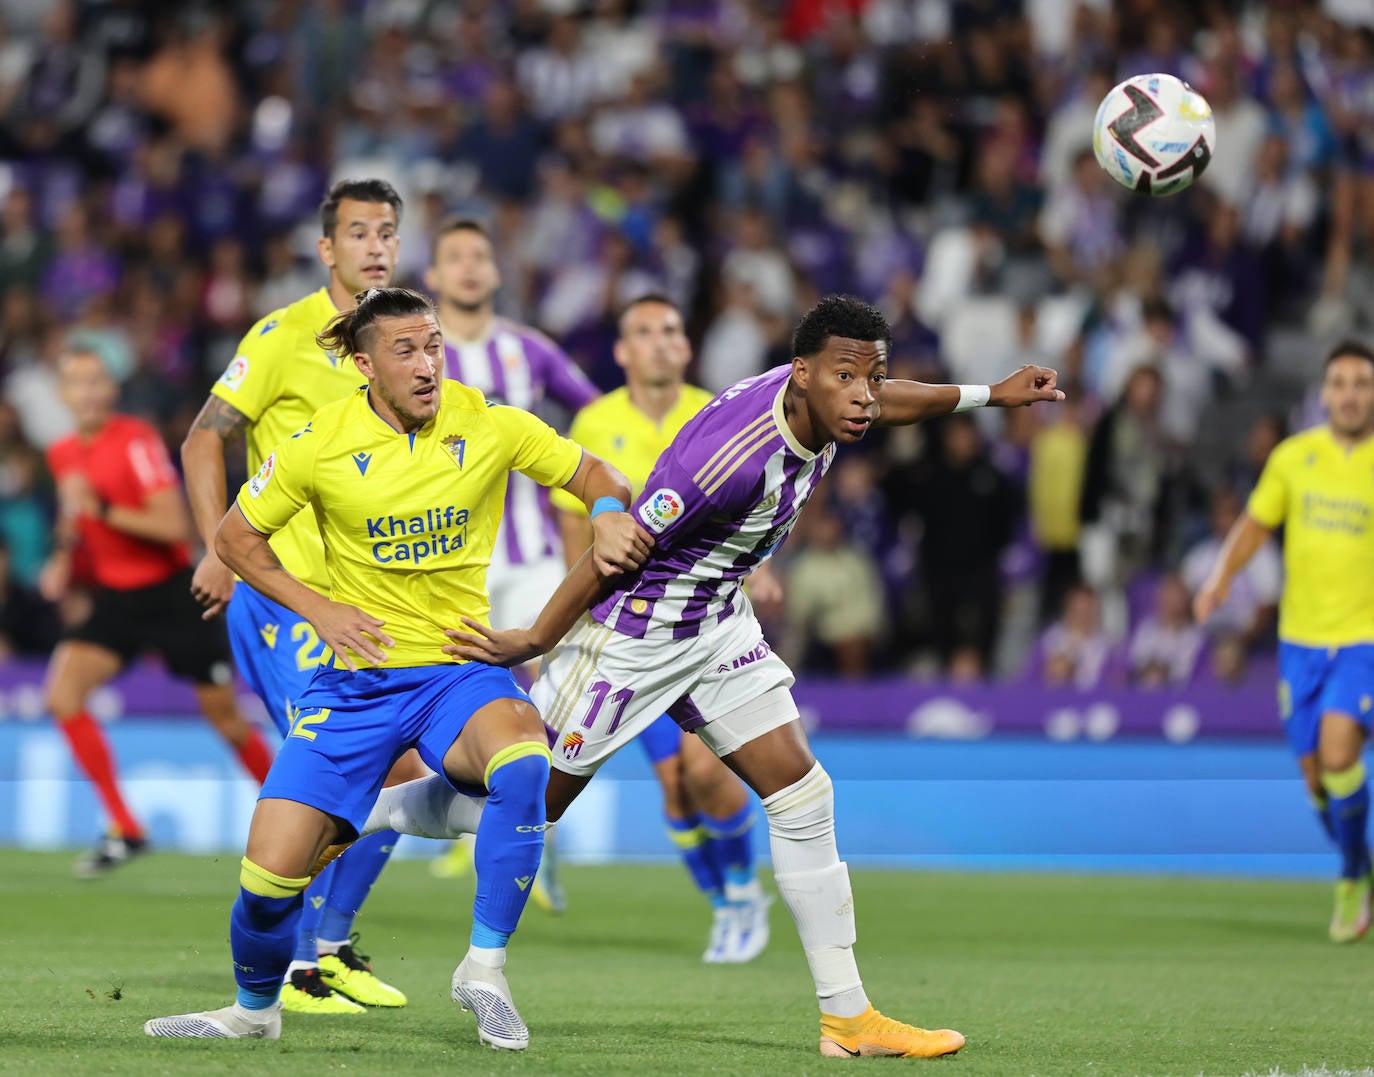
(599, 691)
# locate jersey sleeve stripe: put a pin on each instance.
(703, 476)
(757, 443)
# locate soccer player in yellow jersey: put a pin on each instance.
(1319, 487)
(405, 480)
(278, 379)
(706, 808)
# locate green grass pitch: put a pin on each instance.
(1044, 975)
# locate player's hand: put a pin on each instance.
(344, 629)
(54, 578)
(1028, 385)
(618, 543)
(76, 497)
(1208, 600)
(509, 647)
(212, 585)
(765, 591)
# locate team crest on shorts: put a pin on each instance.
(660, 509)
(457, 446)
(572, 745)
(258, 483)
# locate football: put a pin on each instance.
(1154, 134)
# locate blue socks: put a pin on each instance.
(262, 932)
(732, 845)
(510, 841)
(695, 846)
(354, 874)
(1348, 808)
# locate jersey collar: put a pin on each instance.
(780, 418)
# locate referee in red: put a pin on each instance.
(122, 520)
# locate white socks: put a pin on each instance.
(426, 807)
(814, 885)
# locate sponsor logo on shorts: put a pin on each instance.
(258, 483)
(235, 372)
(660, 509)
(572, 745)
(268, 632)
(747, 659)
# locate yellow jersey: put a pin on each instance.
(279, 378)
(622, 435)
(1323, 495)
(408, 521)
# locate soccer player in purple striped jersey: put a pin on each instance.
(678, 634)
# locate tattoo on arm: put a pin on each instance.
(224, 420)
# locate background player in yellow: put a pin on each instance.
(706, 809)
(1319, 486)
(278, 379)
(406, 480)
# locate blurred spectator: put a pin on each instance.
(1079, 225)
(1220, 272)
(1058, 459)
(28, 625)
(1245, 620)
(1241, 127)
(833, 601)
(24, 248)
(189, 84)
(967, 509)
(1123, 484)
(503, 143)
(1165, 646)
(1074, 650)
(25, 502)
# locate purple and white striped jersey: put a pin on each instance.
(520, 366)
(722, 497)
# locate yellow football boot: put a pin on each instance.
(306, 992)
(871, 1034)
(1350, 920)
(349, 974)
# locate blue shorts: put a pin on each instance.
(350, 727)
(1317, 680)
(662, 740)
(275, 650)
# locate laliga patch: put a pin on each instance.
(235, 372)
(660, 509)
(258, 483)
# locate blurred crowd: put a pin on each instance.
(160, 166)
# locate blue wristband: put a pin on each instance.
(606, 504)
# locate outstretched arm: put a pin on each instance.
(619, 544)
(907, 402)
(1247, 535)
(580, 588)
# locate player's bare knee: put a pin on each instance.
(805, 810)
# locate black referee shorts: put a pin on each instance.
(163, 618)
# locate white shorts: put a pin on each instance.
(600, 689)
(518, 592)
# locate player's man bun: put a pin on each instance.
(839, 316)
(343, 335)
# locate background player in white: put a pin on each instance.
(679, 634)
(517, 365)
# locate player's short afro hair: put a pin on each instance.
(839, 316)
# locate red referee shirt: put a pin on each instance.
(123, 463)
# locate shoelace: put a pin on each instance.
(351, 956)
(309, 981)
